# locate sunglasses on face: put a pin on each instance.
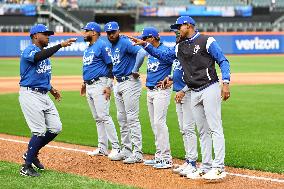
(179, 26)
(146, 37)
(111, 32)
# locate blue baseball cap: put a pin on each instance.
(149, 32)
(111, 26)
(40, 28)
(183, 20)
(92, 26)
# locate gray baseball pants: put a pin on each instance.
(158, 101)
(206, 109)
(100, 110)
(127, 95)
(187, 127)
(39, 111)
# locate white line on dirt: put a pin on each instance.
(85, 151)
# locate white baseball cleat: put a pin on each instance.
(120, 156)
(134, 158)
(215, 174)
(97, 152)
(187, 170)
(150, 162)
(164, 164)
(197, 174)
(179, 168)
(113, 153)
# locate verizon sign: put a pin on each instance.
(257, 44)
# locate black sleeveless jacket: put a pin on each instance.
(197, 63)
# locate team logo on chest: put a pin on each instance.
(196, 49)
(88, 57)
(153, 66)
(44, 67)
(176, 65)
(116, 57)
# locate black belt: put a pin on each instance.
(90, 82)
(203, 86)
(39, 90)
(121, 79)
(152, 87)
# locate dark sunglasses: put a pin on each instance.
(146, 37)
(111, 32)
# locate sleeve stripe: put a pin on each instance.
(209, 41)
(176, 49)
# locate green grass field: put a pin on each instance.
(253, 118)
(10, 179)
(73, 66)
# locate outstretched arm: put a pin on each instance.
(164, 55)
(46, 53)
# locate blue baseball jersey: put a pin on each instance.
(123, 56)
(95, 60)
(178, 82)
(157, 69)
(34, 74)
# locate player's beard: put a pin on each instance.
(88, 39)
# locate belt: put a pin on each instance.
(152, 87)
(39, 90)
(203, 86)
(90, 82)
(121, 79)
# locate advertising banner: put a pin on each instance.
(264, 43)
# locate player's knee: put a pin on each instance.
(56, 130)
(121, 118)
(189, 131)
(102, 117)
(131, 118)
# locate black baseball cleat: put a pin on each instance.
(36, 163)
(27, 170)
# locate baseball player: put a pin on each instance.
(126, 60)
(39, 110)
(185, 119)
(158, 101)
(98, 81)
(197, 54)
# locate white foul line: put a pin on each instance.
(85, 151)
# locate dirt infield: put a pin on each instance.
(73, 83)
(73, 159)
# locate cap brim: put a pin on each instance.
(48, 32)
(111, 30)
(175, 26)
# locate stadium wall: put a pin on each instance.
(231, 42)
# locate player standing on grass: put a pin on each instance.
(197, 54)
(126, 60)
(98, 82)
(39, 110)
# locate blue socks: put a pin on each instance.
(47, 138)
(36, 143)
(33, 148)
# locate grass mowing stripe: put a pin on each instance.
(10, 178)
(252, 119)
(73, 66)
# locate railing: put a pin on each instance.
(62, 16)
